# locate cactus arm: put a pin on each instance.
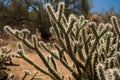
(60, 11)
(115, 25)
(104, 31)
(85, 42)
(13, 33)
(44, 60)
(21, 53)
(48, 50)
(57, 32)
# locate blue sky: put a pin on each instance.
(104, 5)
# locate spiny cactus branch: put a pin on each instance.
(21, 53)
(115, 25)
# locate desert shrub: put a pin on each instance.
(93, 49)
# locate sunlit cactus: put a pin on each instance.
(92, 48)
(100, 71)
(5, 61)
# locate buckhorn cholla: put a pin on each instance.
(93, 49)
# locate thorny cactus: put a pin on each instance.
(108, 67)
(91, 48)
(32, 78)
(5, 61)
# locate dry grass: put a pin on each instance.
(19, 71)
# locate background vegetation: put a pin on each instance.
(32, 14)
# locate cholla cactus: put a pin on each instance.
(5, 61)
(109, 47)
(105, 72)
(89, 46)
